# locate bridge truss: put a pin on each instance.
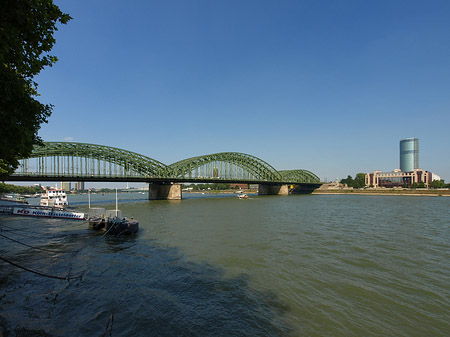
(69, 161)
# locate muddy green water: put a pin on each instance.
(313, 265)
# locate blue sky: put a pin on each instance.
(328, 86)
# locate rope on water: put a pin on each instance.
(15, 230)
(39, 273)
(112, 225)
(111, 320)
(46, 250)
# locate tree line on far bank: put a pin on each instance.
(8, 188)
(360, 182)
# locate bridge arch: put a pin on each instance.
(226, 166)
(299, 176)
(82, 159)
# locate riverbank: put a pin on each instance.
(387, 191)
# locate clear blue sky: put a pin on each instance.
(328, 86)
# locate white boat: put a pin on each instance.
(54, 198)
(242, 196)
(12, 199)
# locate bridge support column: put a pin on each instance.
(273, 189)
(157, 191)
(304, 188)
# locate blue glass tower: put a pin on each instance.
(409, 154)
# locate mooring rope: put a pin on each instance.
(110, 320)
(38, 273)
(46, 250)
(112, 225)
(68, 277)
(15, 230)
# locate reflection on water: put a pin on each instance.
(266, 266)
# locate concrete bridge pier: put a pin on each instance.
(159, 191)
(273, 189)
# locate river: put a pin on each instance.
(304, 265)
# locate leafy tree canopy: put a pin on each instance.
(26, 37)
(7, 188)
(212, 186)
(348, 181)
(358, 182)
(437, 184)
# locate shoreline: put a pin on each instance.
(421, 193)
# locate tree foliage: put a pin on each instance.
(438, 184)
(26, 37)
(358, 182)
(212, 186)
(7, 188)
(418, 185)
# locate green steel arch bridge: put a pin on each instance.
(69, 161)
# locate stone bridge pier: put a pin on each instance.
(160, 191)
(273, 189)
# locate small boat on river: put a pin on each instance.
(242, 196)
(114, 225)
(111, 221)
(12, 199)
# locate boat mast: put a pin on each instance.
(116, 203)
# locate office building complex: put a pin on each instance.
(409, 172)
(398, 178)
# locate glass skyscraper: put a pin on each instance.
(409, 154)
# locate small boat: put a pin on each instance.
(54, 198)
(111, 221)
(97, 223)
(114, 225)
(12, 199)
(242, 196)
(117, 226)
(36, 195)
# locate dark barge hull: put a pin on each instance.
(114, 227)
(122, 228)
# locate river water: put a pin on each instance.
(306, 265)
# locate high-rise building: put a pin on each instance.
(66, 186)
(409, 154)
(79, 185)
